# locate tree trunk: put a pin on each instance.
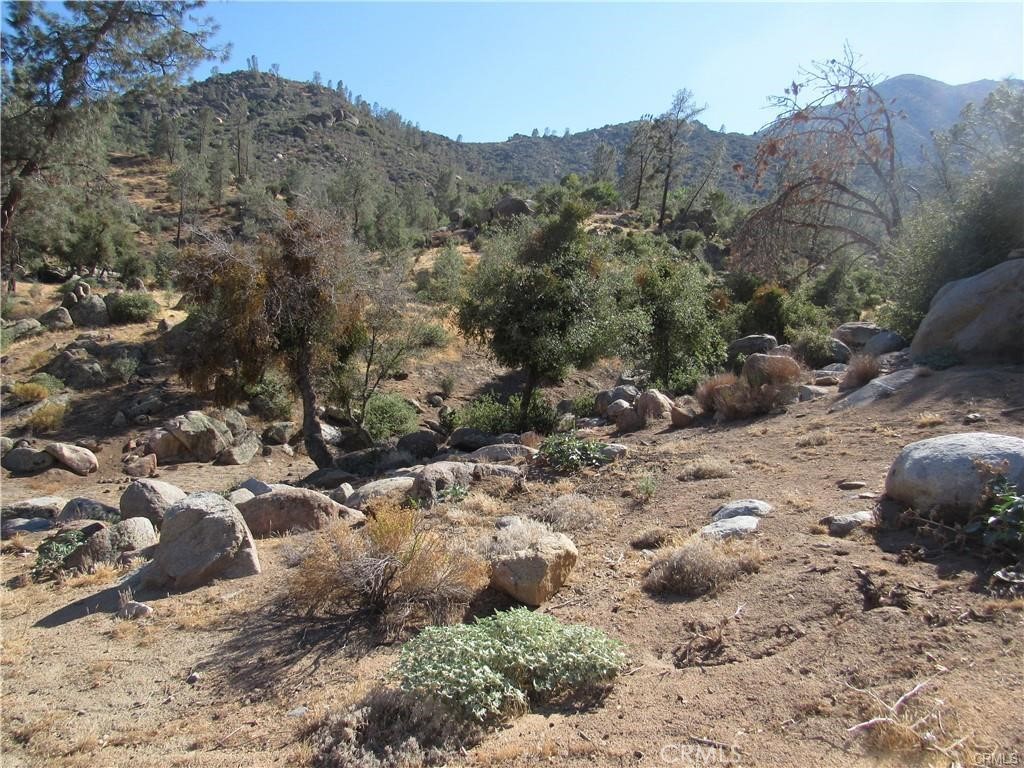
(664, 189)
(524, 408)
(313, 436)
(181, 217)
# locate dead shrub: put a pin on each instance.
(701, 566)
(394, 569)
(729, 398)
(860, 370)
(572, 512)
(706, 468)
(48, 418)
(389, 728)
(929, 419)
(30, 392)
(652, 538)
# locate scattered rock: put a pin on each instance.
(875, 390)
(628, 420)
(134, 610)
(469, 439)
(530, 562)
(973, 418)
(422, 444)
(435, 477)
(27, 461)
(204, 537)
(743, 508)
(614, 451)
(257, 487)
(977, 319)
(6, 444)
(851, 485)
(24, 525)
(78, 369)
(652, 405)
(58, 319)
(149, 499)
(499, 452)
(856, 334)
(732, 528)
(280, 433)
(22, 329)
(293, 509)
(884, 342)
(685, 412)
(79, 460)
(942, 473)
(325, 479)
(388, 486)
(242, 452)
(141, 466)
(626, 392)
(435, 401)
(807, 392)
(759, 369)
(132, 537)
(653, 538)
(841, 525)
(759, 343)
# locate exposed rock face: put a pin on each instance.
(942, 473)
(292, 509)
(79, 460)
(204, 537)
(530, 562)
(149, 499)
(761, 369)
(977, 319)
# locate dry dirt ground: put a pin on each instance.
(80, 688)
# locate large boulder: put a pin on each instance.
(166, 447)
(149, 499)
(977, 319)
(242, 452)
(204, 537)
(233, 420)
(78, 369)
(652, 405)
(280, 433)
(529, 561)
(112, 544)
(840, 352)
(26, 461)
(40, 506)
(436, 477)
(422, 444)
(469, 439)
(949, 473)
(875, 390)
(81, 508)
(22, 329)
(510, 206)
(856, 334)
(204, 438)
(79, 460)
(502, 452)
(390, 486)
(89, 311)
(292, 509)
(759, 369)
(628, 420)
(883, 343)
(58, 319)
(739, 527)
(758, 343)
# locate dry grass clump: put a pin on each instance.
(30, 392)
(41, 358)
(48, 418)
(103, 573)
(859, 371)
(484, 505)
(929, 419)
(525, 534)
(706, 468)
(572, 512)
(729, 397)
(814, 439)
(394, 569)
(914, 723)
(701, 566)
(652, 538)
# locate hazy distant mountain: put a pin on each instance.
(300, 127)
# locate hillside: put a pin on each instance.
(308, 129)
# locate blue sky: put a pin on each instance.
(487, 71)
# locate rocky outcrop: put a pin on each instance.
(977, 319)
(293, 509)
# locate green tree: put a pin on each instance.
(670, 132)
(218, 172)
(639, 160)
(604, 163)
(58, 64)
(189, 179)
(537, 302)
(354, 191)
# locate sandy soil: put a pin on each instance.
(81, 688)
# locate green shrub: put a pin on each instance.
(1001, 527)
(132, 307)
(489, 415)
(131, 265)
(48, 418)
(813, 346)
(447, 385)
(124, 368)
(51, 554)
(52, 383)
(272, 398)
(431, 335)
(570, 453)
(583, 405)
(445, 283)
(388, 415)
(165, 264)
(496, 667)
(847, 289)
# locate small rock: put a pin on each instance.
(851, 485)
(435, 401)
(841, 525)
(732, 528)
(973, 418)
(614, 451)
(741, 508)
(193, 678)
(298, 712)
(141, 466)
(135, 610)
